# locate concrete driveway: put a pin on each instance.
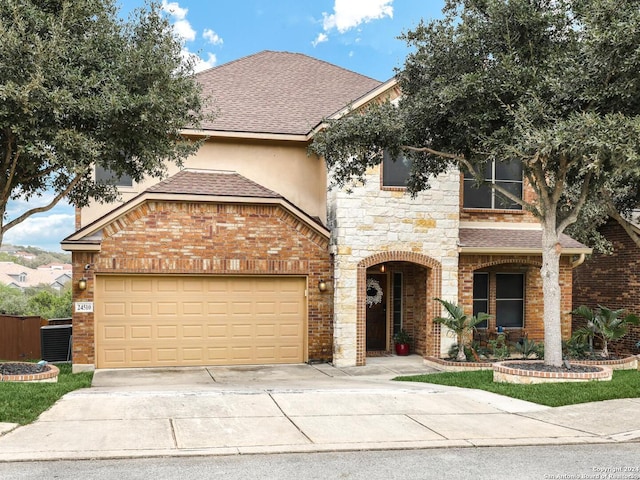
(296, 408)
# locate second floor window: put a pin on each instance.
(104, 175)
(395, 173)
(506, 174)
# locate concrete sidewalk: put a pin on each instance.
(297, 408)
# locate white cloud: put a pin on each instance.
(45, 231)
(212, 37)
(206, 64)
(348, 14)
(184, 30)
(181, 25)
(322, 37)
(174, 9)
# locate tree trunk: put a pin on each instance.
(461, 355)
(550, 273)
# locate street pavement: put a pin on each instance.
(297, 408)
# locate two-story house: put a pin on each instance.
(244, 257)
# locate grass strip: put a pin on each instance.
(23, 402)
(624, 384)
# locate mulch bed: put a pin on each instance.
(541, 367)
(20, 368)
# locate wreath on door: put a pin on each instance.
(374, 292)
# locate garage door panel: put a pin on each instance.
(115, 357)
(142, 332)
(290, 330)
(217, 331)
(193, 308)
(139, 285)
(167, 308)
(172, 321)
(113, 309)
(117, 332)
(141, 309)
(141, 355)
(192, 331)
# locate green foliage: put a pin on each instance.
(624, 384)
(575, 348)
(554, 84)
(81, 86)
(499, 347)
(44, 302)
(402, 337)
(12, 301)
(23, 402)
(460, 324)
(529, 348)
(603, 324)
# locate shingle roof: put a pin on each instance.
(278, 92)
(504, 239)
(212, 182)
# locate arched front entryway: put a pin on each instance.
(402, 287)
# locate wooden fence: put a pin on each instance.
(20, 337)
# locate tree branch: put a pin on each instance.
(462, 159)
(573, 216)
(44, 208)
(9, 166)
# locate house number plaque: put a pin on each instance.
(84, 307)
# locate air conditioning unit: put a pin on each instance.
(55, 342)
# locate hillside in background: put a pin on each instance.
(31, 257)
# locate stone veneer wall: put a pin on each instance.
(390, 225)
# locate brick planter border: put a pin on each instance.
(449, 366)
(504, 373)
(627, 363)
(50, 376)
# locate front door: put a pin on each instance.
(376, 312)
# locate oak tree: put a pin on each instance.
(81, 87)
(551, 84)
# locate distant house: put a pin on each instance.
(612, 280)
(19, 276)
(25, 255)
(56, 267)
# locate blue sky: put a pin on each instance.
(360, 35)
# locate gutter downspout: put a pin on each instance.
(578, 262)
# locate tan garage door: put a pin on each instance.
(145, 321)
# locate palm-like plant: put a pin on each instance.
(460, 324)
(604, 324)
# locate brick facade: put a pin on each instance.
(529, 265)
(612, 281)
(162, 237)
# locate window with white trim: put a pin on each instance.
(508, 175)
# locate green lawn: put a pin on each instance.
(624, 384)
(23, 402)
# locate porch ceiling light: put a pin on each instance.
(383, 268)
